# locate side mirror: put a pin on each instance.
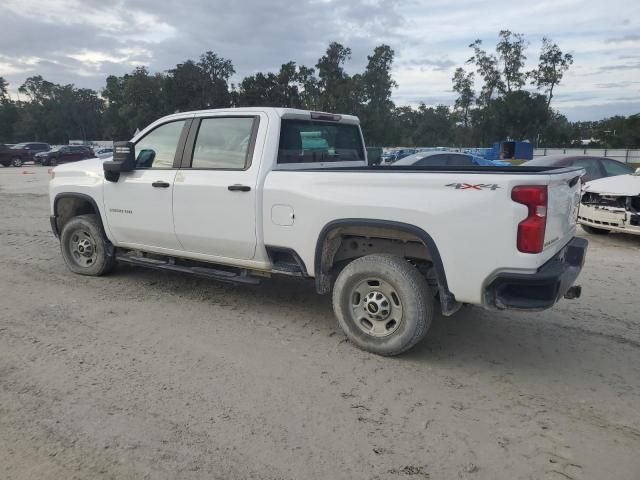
(145, 158)
(124, 160)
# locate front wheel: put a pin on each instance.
(84, 247)
(16, 162)
(383, 304)
(594, 230)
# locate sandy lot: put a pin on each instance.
(144, 374)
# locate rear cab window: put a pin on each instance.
(318, 142)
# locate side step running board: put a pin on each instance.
(235, 277)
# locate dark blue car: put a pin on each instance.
(451, 159)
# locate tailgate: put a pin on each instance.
(562, 210)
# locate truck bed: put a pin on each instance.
(443, 169)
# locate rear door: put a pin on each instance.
(64, 155)
(76, 154)
(214, 200)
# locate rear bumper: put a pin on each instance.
(540, 290)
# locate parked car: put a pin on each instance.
(103, 152)
(240, 194)
(450, 159)
(396, 155)
(4, 159)
(611, 204)
(19, 153)
(65, 154)
(596, 167)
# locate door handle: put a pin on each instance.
(238, 188)
(160, 184)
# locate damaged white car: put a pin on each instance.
(611, 204)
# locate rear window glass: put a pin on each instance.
(304, 141)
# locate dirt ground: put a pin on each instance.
(144, 374)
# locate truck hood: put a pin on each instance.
(624, 185)
(93, 165)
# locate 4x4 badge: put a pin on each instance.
(477, 186)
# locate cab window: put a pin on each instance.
(223, 143)
(157, 148)
(305, 141)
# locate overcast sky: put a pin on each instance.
(81, 42)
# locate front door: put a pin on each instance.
(214, 199)
(139, 205)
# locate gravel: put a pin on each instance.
(143, 374)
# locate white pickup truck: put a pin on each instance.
(242, 194)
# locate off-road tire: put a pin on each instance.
(594, 230)
(408, 285)
(84, 228)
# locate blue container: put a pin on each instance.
(510, 150)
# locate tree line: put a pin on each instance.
(507, 102)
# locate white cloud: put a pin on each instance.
(74, 41)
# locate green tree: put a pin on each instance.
(309, 88)
(487, 67)
(185, 87)
(511, 49)
(8, 113)
(463, 86)
(371, 93)
(115, 124)
(142, 100)
(283, 89)
(4, 92)
(217, 71)
(334, 82)
(552, 65)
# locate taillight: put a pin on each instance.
(531, 229)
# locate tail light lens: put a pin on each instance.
(531, 229)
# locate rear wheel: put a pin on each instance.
(383, 304)
(84, 247)
(594, 230)
(16, 162)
